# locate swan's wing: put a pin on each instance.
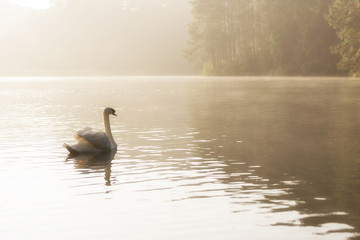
(82, 131)
(97, 138)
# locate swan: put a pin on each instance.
(94, 142)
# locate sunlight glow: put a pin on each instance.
(35, 4)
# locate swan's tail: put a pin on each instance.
(71, 150)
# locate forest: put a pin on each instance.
(277, 37)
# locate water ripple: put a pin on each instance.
(185, 164)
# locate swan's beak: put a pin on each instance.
(114, 114)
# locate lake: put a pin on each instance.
(198, 158)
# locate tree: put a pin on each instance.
(344, 17)
(248, 37)
(301, 36)
(207, 44)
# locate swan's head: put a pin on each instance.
(109, 111)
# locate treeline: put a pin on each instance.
(277, 37)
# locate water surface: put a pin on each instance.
(198, 158)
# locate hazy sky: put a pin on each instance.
(93, 37)
(35, 4)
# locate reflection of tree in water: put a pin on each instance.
(94, 163)
(303, 135)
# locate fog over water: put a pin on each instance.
(105, 37)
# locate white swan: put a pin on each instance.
(94, 142)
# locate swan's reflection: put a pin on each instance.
(95, 163)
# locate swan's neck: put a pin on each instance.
(108, 131)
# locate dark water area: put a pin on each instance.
(305, 134)
(198, 158)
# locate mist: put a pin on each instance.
(78, 37)
(107, 131)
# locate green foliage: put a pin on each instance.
(258, 37)
(344, 17)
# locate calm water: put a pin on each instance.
(246, 158)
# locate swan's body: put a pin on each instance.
(94, 142)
